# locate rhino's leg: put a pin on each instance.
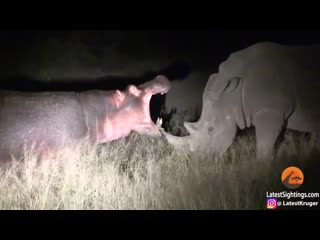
(268, 125)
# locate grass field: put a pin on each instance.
(146, 173)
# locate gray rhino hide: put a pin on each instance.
(269, 86)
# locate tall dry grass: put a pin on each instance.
(146, 173)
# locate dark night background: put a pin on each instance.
(109, 59)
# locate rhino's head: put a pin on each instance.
(208, 136)
(216, 128)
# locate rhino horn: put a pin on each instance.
(191, 127)
(179, 142)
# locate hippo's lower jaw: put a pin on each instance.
(111, 130)
(151, 130)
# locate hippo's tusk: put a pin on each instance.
(159, 123)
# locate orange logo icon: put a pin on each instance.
(292, 177)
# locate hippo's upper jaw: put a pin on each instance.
(160, 84)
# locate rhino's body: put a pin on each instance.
(268, 86)
(52, 120)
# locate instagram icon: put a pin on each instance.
(271, 203)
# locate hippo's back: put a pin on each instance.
(52, 118)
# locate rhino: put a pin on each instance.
(268, 86)
(49, 121)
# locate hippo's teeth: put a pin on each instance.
(159, 122)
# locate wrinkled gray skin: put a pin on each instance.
(52, 120)
(269, 86)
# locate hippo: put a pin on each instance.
(53, 120)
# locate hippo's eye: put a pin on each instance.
(210, 129)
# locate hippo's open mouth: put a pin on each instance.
(159, 85)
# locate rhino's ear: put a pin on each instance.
(212, 88)
(232, 85)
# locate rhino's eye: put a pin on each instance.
(210, 129)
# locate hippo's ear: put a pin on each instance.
(120, 95)
(133, 90)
